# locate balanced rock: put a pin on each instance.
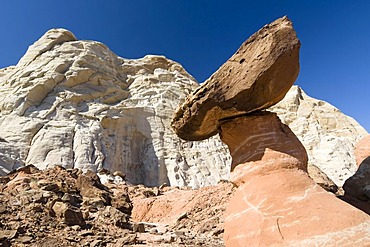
(77, 104)
(256, 77)
(282, 205)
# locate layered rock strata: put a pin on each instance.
(77, 104)
(282, 205)
(257, 76)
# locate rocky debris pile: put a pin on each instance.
(281, 203)
(64, 207)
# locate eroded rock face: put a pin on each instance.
(362, 150)
(77, 104)
(358, 185)
(328, 135)
(256, 77)
(282, 205)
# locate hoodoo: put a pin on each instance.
(276, 202)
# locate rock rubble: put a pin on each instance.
(64, 207)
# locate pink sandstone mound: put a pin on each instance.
(277, 204)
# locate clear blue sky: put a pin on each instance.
(201, 35)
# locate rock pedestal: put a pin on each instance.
(276, 202)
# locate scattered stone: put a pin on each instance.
(182, 216)
(85, 233)
(25, 239)
(129, 239)
(122, 202)
(69, 214)
(149, 193)
(2, 209)
(139, 227)
(120, 174)
(47, 185)
(7, 234)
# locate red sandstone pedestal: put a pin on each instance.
(277, 204)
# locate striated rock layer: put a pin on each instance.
(328, 135)
(77, 104)
(280, 203)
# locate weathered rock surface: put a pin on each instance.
(77, 104)
(358, 185)
(362, 150)
(261, 137)
(328, 135)
(282, 205)
(323, 180)
(256, 77)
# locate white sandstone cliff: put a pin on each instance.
(77, 104)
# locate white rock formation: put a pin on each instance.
(328, 135)
(76, 104)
